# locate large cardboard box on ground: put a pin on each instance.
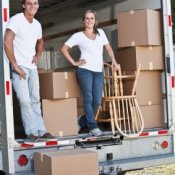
(149, 87)
(56, 85)
(153, 116)
(66, 162)
(150, 58)
(60, 116)
(139, 28)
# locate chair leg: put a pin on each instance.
(97, 113)
(111, 117)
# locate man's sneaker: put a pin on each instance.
(95, 132)
(48, 136)
(31, 138)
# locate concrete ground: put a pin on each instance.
(157, 170)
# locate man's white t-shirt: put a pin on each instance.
(91, 50)
(26, 36)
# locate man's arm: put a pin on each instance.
(39, 49)
(8, 46)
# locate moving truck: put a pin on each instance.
(155, 145)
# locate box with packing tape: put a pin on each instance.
(139, 28)
(58, 84)
(149, 87)
(65, 162)
(60, 116)
(150, 58)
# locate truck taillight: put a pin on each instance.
(23, 160)
(164, 144)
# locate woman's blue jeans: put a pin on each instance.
(91, 84)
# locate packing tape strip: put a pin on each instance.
(60, 133)
(149, 103)
(42, 154)
(133, 43)
(150, 65)
(66, 94)
(131, 12)
(65, 75)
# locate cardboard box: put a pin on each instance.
(60, 116)
(149, 87)
(150, 58)
(139, 28)
(153, 116)
(56, 85)
(66, 162)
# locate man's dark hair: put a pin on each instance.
(23, 2)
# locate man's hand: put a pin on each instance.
(35, 60)
(20, 71)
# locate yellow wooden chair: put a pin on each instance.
(123, 110)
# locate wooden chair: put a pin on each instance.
(105, 112)
(123, 110)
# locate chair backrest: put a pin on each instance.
(125, 109)
(113, 81)
(108, 88)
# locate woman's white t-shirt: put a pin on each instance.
(91, 50)
(26, 36)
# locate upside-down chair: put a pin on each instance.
(122, 111)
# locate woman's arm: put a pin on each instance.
(111, 55)
(68, 57)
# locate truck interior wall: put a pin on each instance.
(71, 18)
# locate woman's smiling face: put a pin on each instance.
(89, 20)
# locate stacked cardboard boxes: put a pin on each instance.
(140, 42)
(59, 91)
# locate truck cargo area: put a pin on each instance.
(60, 19)
(140, 32)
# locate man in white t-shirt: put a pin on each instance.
(23, 45)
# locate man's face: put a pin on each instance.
(31, 7)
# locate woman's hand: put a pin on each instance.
(116, 65)
(79, 62)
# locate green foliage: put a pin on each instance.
(173, 18)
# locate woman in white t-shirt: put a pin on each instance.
(91, 42)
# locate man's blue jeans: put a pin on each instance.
(91, 84)
(27, 92)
